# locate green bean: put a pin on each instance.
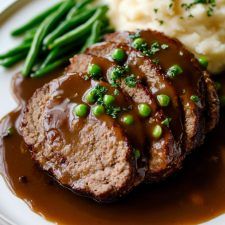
(45, 70)
(36, 20)
(12, 52)
(34, 50)
(50, 57)
(95, 35)
(29, 35)
(76, 9)
(57, 15)
(67, 25)
(57, 52)
(108, 29)
(105, 20)
(27, 40)
(41, 34)
(12, 60)
(78, 32)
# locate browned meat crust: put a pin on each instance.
(212, 103)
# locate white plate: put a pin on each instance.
(12, 209)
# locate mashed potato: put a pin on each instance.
(200, 33)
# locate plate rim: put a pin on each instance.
(10, 9)
(5, 13)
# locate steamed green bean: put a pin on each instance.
(78, 32)
(55, 35)
(58, 52)
(41, 34)
(36, 20)
(43, 71)
(77, 8)
(95, 35)
(13, 60)
(12, 52)
(67, 25)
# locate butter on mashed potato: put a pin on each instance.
(200, 27)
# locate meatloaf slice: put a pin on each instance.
(188, 84)
(164, 154)
(152, 78)
(91, 156)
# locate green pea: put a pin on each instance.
(98, 110)
(163, 100)
(138, 42)
(94, 70)
(109, 100)
(157, 131)
(91, 97)
(119, 55)
(128, 119)
(81, 110)
(203, 61)
(144, 110)
(174, 70)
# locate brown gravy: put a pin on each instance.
(194, 195)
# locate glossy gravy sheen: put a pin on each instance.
(194, 195)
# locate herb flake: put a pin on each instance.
(131, 81)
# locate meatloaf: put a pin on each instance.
(127, 111)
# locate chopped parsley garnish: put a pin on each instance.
(131, 81)
(161, 22)
(113, 111)
(137, 154)
(210, 3)
(155, 61)
(150, 51)
(100, 91)
(135, 35)
(171, 4)
(195, 98)
(10, 131)
(146, 49)
(164, 46)
(166, 122)
(155, 47)
(116, 92)
(116, 74)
